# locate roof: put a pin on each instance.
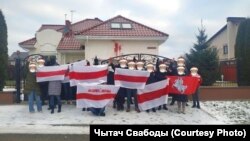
(76, 27)
(83, 25)
(217, 33)
(236, 19)
(137, 30)
(69, 43)
(96, 27)
(22, 55)
(29, 42)
(232, 19)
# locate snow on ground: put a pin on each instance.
(17, 119)
(230, 112)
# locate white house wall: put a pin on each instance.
(219, 42)
(104, 49)
(47, 42)
(232, 28)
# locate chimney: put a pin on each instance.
(67, 28)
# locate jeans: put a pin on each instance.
(130, 93)
(195, 98)
(31, 97)
(52, 100)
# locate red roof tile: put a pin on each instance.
(96, 27)
(69, 43)
(28, 42)
(137, 30)
(85, 24)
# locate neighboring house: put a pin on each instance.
(11, 63)
(93, 37)
(224, 42)
(13, 57)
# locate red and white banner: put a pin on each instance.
(88, 74)
(97, 96)
(183, 84)
(51, 73)
(153, 95)
(133, 79)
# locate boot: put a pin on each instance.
(59, 108)
(165, 107)
(183, 107)
(179, 107)
(153, 109)
(159, 108)
(52, 111)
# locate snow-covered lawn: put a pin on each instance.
(17, 119)
(230, 112)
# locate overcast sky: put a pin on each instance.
(178, 18)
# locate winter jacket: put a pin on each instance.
(54, 88)
(31, 84)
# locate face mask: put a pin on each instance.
(162, 70)
(150, 70)
(123, 65)
(193, 73)
(131, 68)
(180, 72)
(139, 68)
(32, 70)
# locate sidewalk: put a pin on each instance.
(17, 119)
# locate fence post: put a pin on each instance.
(18, 76)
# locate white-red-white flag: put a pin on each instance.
(153, 95)
(88, 74)
(133, 79)
(97, 96)
(51, 73)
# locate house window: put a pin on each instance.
(225, 49)
(115, 25)
(151, 47)
(126, 25)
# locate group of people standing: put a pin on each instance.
(158, 72)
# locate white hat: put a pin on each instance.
(194, 71)
(150, 67)
(123, 61)
(162, 68)
(32, 67)
(131, 63)
(139, 65)
(181, 61)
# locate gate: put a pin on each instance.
(146, 58)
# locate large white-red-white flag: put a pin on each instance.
(133, 79)
(51, 73)
(97, 96)
(153, 95)
(88, 74)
